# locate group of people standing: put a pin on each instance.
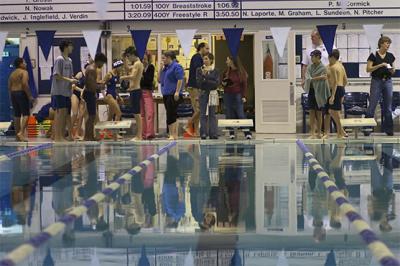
(204, 79)
(324, 79)
(74, 97)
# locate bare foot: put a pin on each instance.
(312, 137)
(341, 137)
(325, 136)
(136, 139)
(21, 137)
(171, 138)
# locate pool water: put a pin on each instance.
(211, 204)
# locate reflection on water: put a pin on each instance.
(213, 199)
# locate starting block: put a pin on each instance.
(357, 123)
(4, 126)
(113, 126)
(236, 123)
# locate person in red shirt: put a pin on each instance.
(234, 80)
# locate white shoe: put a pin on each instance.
(249, 137)
(396, 113)
(232, 136)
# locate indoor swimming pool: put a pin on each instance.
(197, 203)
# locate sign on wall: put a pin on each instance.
(84, 10)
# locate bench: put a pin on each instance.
(113, 126)
(243, 124)
(4, 126)
(357, 123)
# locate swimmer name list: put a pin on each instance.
(313, 13)
(119, 10)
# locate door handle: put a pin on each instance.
(291, 87)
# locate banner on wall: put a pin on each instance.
(327, 33)
(45, 41)
(280, 35)
(101, 8)
(29, 68)
(140, 39)
(92, 38)
(233, 36)
(3, 37)
(186, 39)
(373, 33)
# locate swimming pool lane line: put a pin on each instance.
(380, 251)
(11, 155)
(20, 253)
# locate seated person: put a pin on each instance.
(46, 113)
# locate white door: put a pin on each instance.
(274, 85)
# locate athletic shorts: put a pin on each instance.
(312, 101)
(134, 100)
(60, 102)
(90, 99)
(20, 103)
(337, 104)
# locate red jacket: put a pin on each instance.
(237, 86)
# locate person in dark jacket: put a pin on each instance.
(207, 81)
(147, 103)
(196, 62)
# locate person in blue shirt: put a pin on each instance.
(196, 62)
(171, 79)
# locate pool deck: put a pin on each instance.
(257, 139)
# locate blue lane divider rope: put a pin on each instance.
(20, 253)
(25, 151)
(377, 247)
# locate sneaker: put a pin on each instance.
(232, 136)
(249, 137)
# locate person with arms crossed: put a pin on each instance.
(381, 66)
(316, 44)
(135, 73)
(317, 87)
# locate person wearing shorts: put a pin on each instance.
(18, 86)
(61, 91)
(337, 80)
(135, 73)
(89, 94)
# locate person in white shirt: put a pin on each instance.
(317, 44)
